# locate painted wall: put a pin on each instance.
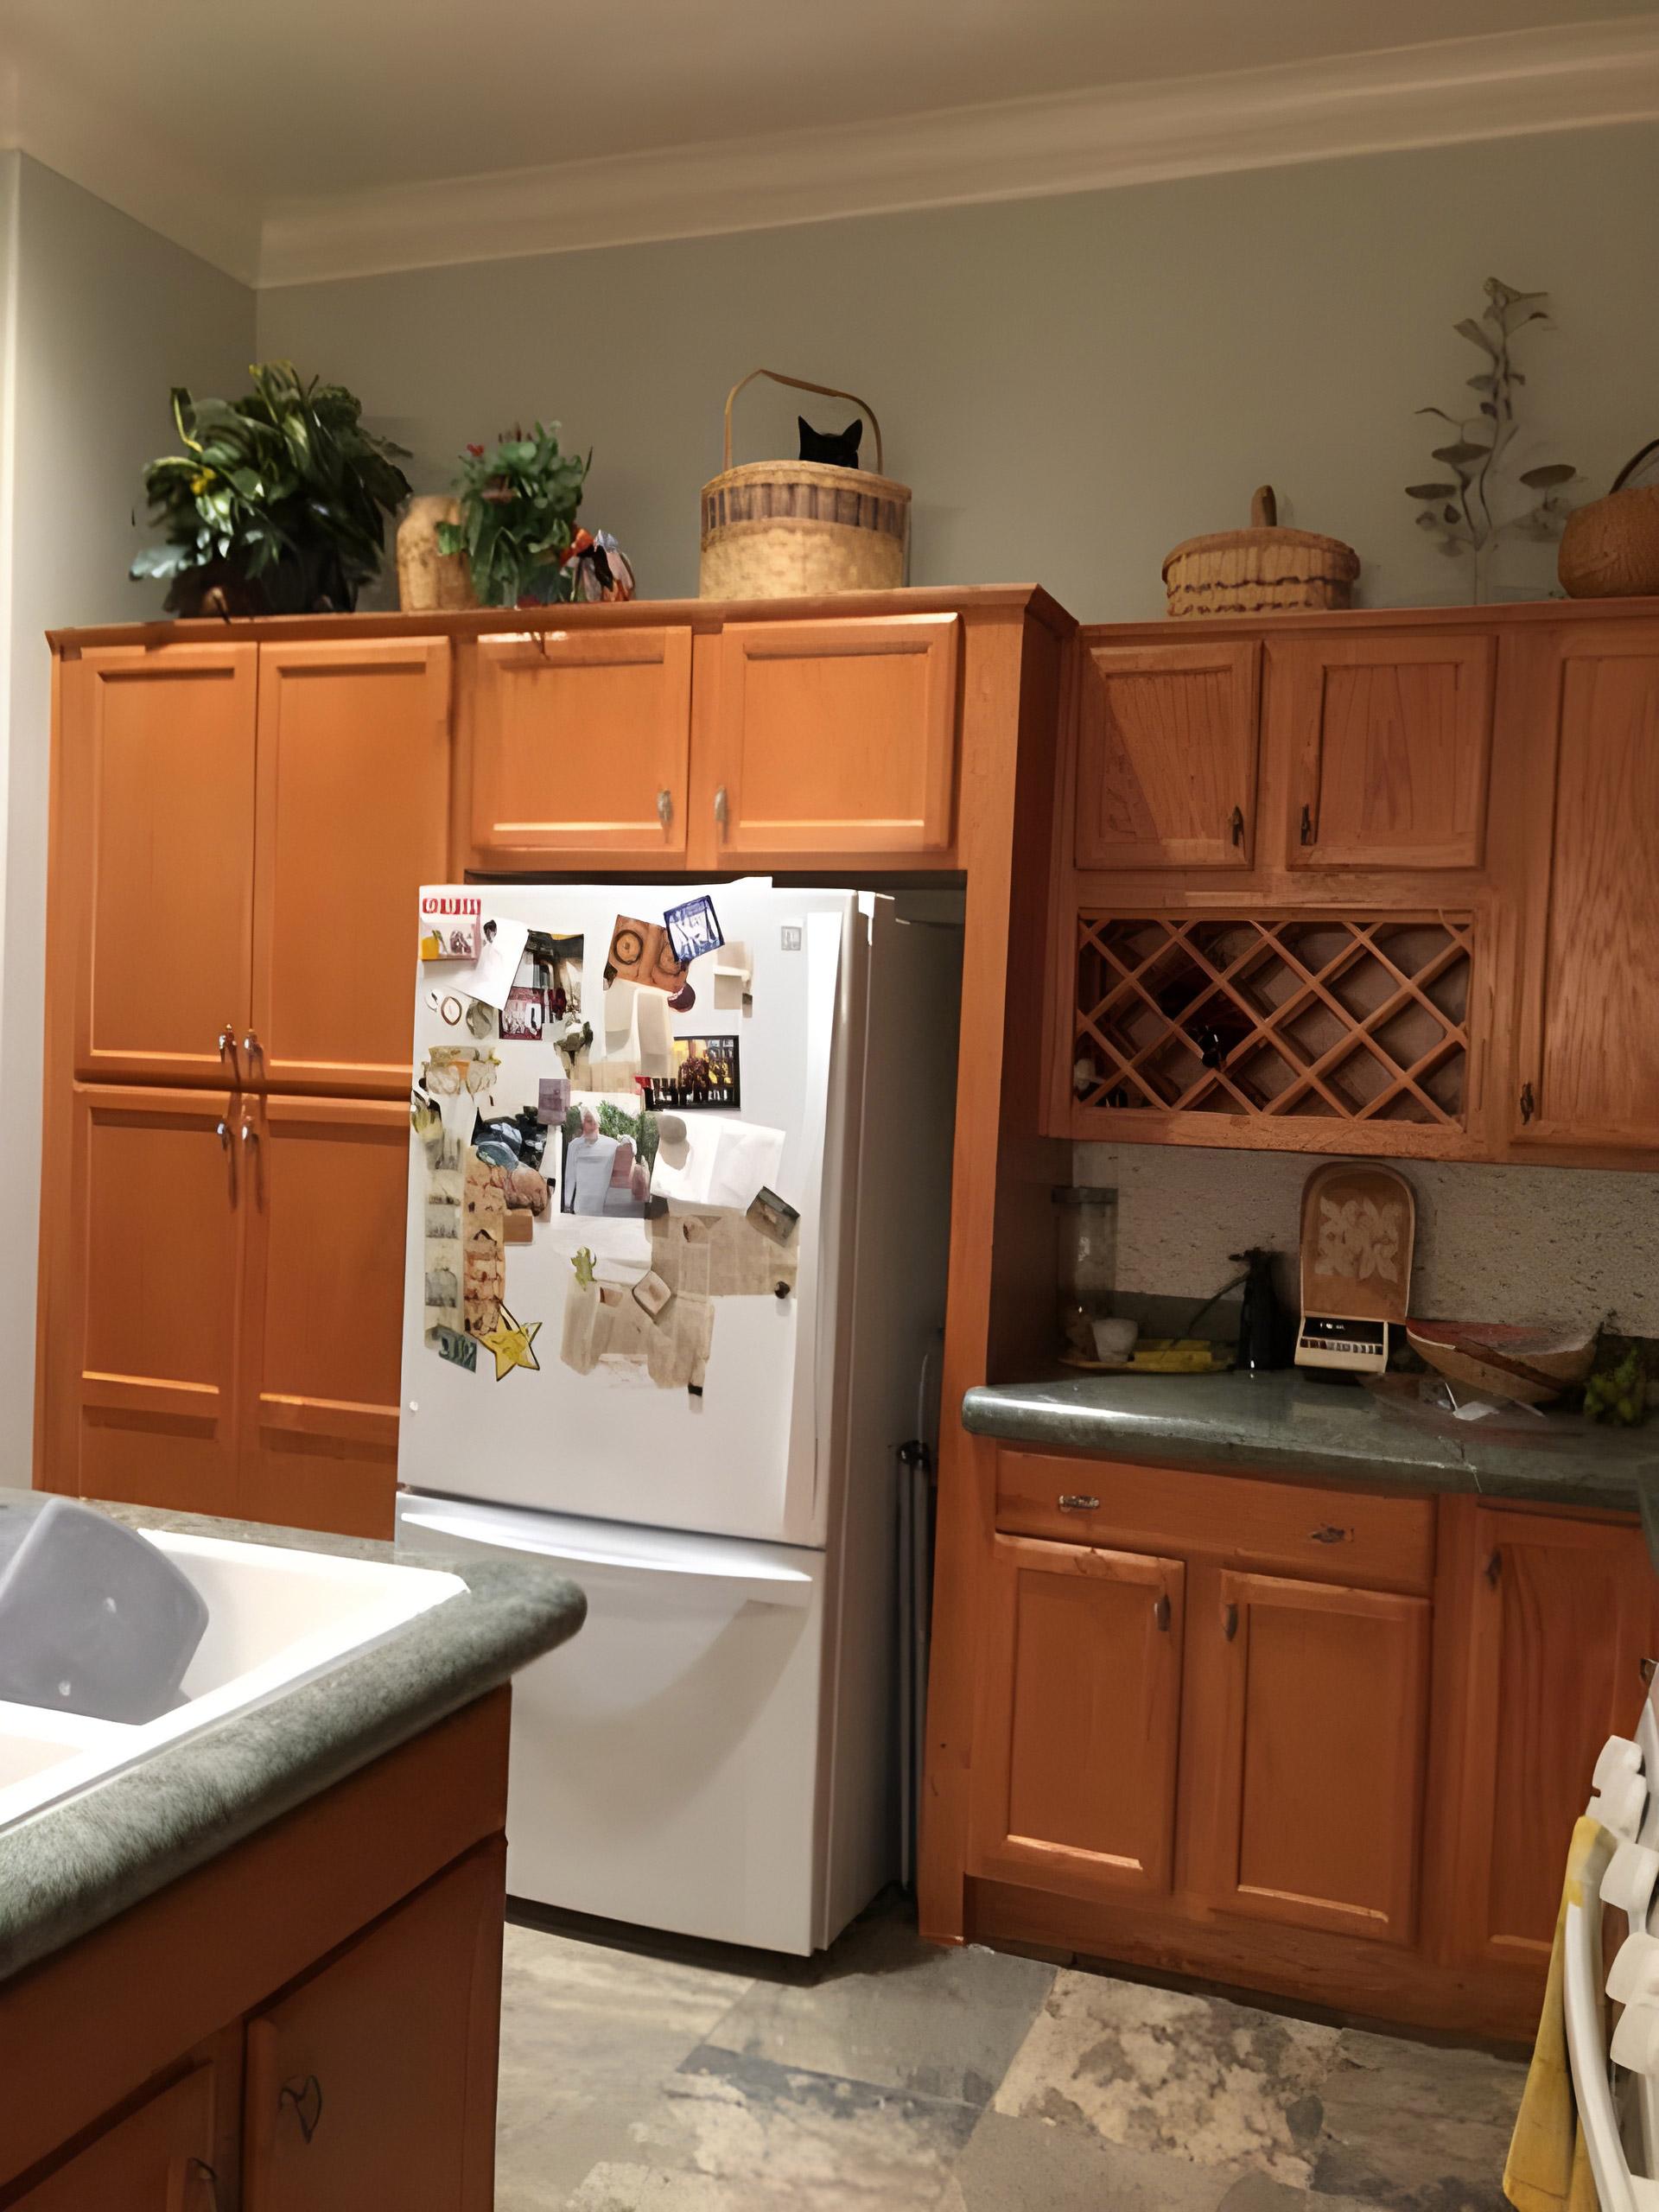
(105, 316)
(1070, 385)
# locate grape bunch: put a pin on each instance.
(1618, 1394)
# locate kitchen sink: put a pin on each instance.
(276, 1616)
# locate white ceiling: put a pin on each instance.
(293, 109)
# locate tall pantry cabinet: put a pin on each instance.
(238, 830)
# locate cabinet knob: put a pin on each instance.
(1307, 823)
(1528, 1102)
(665, 808)
(305, 2099)
(721, 809)
(1160, 1611)
(1238, 826)
(1230, 1621)
(1494, 1569)
(1074, 1501)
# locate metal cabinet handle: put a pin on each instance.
(227, 1039)
(665, 808)
(721, 809)
(1494, 1569)
(1160, 1611)
(1307, 823)
(1230, 1621)
(1329, 1532)
(249, 1135)
(251, 1045)
(1238, 825)
(1073, 1501)
(306, 2103)
(1528, 1102)
(222, 1131)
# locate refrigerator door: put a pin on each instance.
(744, 1453)
(665, 1766)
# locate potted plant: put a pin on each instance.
(516, 520)
(277, 504)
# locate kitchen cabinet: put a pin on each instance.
(1085, 1669)
(325, 1186)
(140, 1333)
(353, 817)
(1166, 755)
(578, 745)
(1318, 1741)
(1587, 1071)
(836, 736)
(1385, 740)
(361, 2089)
(1558, 1617)
(152, 883)
(159, 2158)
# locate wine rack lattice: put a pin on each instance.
(1345, 1020)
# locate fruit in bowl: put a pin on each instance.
(1531, 1365)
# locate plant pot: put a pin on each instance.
(1610, 550)
(430, 582)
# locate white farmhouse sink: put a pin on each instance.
(275, 1617)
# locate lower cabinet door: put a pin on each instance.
(159, 2158)
(327, 1184)
(1080, 1720)
(1561, 1616)
(372, 2084)
(1314, 1733)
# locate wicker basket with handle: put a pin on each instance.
(787, 529)
(1260, 570)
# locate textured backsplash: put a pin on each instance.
(1528, 1245)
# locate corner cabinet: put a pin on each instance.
(1424, 926)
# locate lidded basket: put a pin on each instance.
(790, 528)
(1260, 570)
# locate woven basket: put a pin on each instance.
(430, 582)
(1262, 570)
(790, 529)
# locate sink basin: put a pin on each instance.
(275, 1617)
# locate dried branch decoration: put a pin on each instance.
(1462, 513)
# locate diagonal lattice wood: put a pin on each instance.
(1285, 1016)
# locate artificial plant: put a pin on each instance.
(518, 505)
(277, 504)
(1466, 512)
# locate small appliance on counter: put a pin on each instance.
(1359, 1224)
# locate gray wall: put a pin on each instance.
(1070, 385)
(105, 317)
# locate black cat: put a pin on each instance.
(838, 447)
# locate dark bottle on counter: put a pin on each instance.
(1260, 1325)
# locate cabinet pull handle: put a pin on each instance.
(1494, 1569)
(307, 2101)
(1230, 1621)
(1077, 1501)
(1238, 826)
(252, 1046)
(227, 1039)
(1528, 1102)
(665, 808)
(1160, 1611)
(1307, 823)
(721, 810)
(1329, 1532)
(222, 1131)
(199, 2169)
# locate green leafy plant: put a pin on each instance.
(277, 504)
(518, 507)
(1464, 511)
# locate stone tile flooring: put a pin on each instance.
(889, 2073)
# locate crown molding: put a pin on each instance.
(1506, 85)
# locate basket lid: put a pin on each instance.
(1338, 559)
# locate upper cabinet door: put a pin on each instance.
(1386, 741)
(1588, 1071)
(327, 1187)
(832, 737)
(1080, 1696)
(579, 746)
(153, 858)
(1166, 755)
(353, 816)
(1318, 1757)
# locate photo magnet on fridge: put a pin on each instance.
(523, 1015)
(774, 1216)
(450, 922)
(606, 1168)
(694, 929)
(642, 952)
(705, 1074)
(552, 1098)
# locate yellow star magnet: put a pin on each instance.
(511, 1342)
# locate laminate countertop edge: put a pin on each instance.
(74, 1866)
(1291, 1429)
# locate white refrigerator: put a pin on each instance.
(685, 1369)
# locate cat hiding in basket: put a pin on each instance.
(839, 449)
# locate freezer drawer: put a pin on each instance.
(665, 1762)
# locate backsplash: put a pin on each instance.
(1525, 1244)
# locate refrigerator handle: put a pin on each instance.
(825, 981)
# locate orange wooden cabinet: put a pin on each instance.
(1167, 740)
(159, 2158)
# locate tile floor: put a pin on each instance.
(891, 2074)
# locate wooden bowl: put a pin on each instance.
(1532, 1365)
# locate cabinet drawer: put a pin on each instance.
(1345, 1536)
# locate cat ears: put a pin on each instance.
(850, 437)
